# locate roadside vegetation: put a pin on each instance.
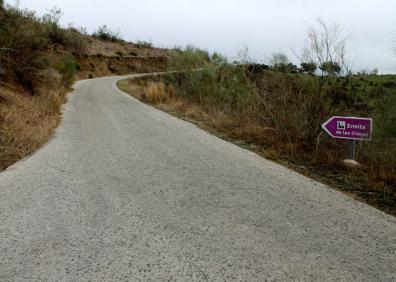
(33, 78)
(39, 62)
(277, 110)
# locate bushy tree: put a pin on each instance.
(308, 68)
(330, 68)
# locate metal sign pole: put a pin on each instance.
(352, 150)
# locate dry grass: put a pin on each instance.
(158, 93)
(26, 122)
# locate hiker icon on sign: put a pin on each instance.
(341, 125)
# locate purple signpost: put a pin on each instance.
(351, 128)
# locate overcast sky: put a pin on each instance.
(227, 26)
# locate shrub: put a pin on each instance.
(24, 36)
(280, 62)
(105, 33)
(308, 68)
(188, 59)
(51, 24)
(76, 41)
(157, 92)
(257, 68)
(68, 69)
(218, 59)
(144, 44)
(331, 68)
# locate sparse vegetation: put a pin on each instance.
(144, 44)
(280, 112)
(77, 41)
(107, 34)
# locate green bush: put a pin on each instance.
(68, 68)
(76, 40)
(107, 34)
(188, 59)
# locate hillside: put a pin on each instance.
(39, 62)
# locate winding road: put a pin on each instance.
(125, 192)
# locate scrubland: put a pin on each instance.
(278, 113)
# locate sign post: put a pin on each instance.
(352, 150)
(350, 128)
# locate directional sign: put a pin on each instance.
(352, 128)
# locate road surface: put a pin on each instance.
(125, 192)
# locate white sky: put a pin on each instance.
(227, 26)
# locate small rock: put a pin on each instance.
(352, 164)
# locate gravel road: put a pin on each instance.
(125, 192)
